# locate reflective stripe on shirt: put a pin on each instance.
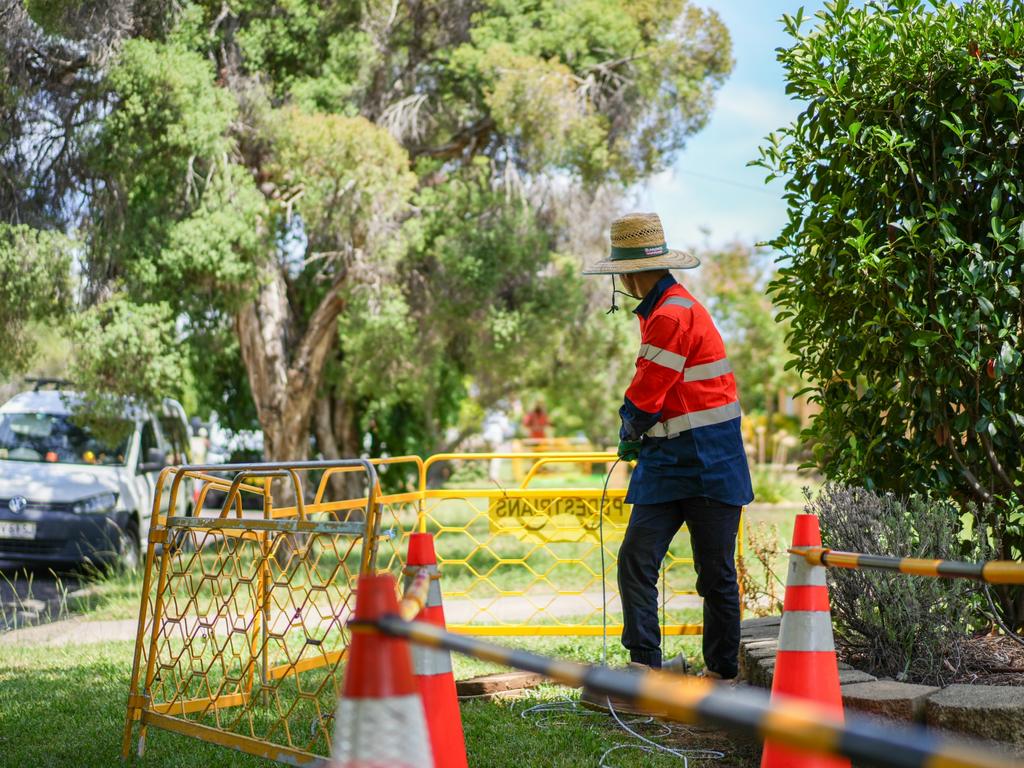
(662, 357)
(687, 421)
(678, 301)
(708, 370)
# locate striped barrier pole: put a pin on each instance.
(690, 699)
(992, 571)
(414, 599)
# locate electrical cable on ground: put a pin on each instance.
(998, 619)
(550, 713)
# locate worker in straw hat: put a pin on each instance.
(681, 423)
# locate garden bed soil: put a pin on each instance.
(985, 660)
(992, 660)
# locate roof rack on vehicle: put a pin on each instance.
(40, 382)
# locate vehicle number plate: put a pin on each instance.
(9, 530)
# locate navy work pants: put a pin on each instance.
(713, 527)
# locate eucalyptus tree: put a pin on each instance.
(35, 287)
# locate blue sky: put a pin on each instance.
(709, 186)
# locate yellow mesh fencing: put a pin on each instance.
(526, 560)
(242, 626)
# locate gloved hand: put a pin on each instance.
(629, 450)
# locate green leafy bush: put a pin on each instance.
(905, 245)
(904, 627)
(120, 335)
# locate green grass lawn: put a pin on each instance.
(65, 706)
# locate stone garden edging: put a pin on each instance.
(992, 712)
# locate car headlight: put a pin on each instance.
(94, 505)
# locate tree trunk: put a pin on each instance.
(337, 434)
(284, 376)
(285, 372)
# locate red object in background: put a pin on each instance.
(990, 369)
(536, 421)
(51, 456)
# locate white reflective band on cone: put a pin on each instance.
(434, 593)
(806, 631)
(687, 421)
(803, 574)
(706, 371)
(661, 357)
(379, 732)
(430, 661)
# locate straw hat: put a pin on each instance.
(638, 245)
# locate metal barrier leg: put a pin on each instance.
(161, 582)
(264, 598)
(264, 607)
(133, 689)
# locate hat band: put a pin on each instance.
(643, 252)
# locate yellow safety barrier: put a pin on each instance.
(241, 629)
(527, 561)
(531, 445)
(242, 624)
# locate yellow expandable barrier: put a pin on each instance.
(242, 624)
(242, 629)
(527, 560)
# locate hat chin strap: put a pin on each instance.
(614, 307)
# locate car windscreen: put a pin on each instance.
(55, 438)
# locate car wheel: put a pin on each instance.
(128, 547)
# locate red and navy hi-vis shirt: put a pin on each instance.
(682, 402)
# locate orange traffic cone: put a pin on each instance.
(806, 666)
(433, 666)
(380, 720)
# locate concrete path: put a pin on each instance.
(540, 607)
(76, 631)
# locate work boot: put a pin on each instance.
(599, 702)
(678, 665)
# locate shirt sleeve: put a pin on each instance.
(659, 365)
(634, 421)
